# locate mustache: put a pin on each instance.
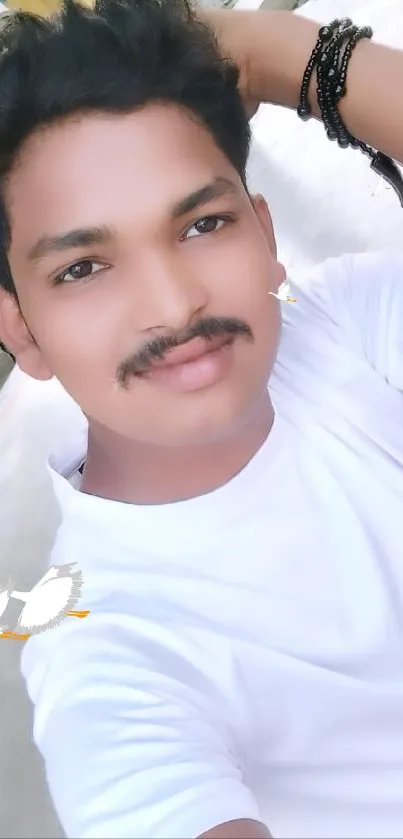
(156, 348)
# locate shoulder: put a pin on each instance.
(345, 292)
(352, 269)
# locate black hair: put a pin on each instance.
(117, 56)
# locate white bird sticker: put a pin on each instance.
(49, 603)
(283, 294)
(283, 298)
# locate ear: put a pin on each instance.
(16, 336)
(262, 211)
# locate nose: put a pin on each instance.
(170, 294)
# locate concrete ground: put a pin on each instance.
(6, 365)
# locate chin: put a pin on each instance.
(219, 425)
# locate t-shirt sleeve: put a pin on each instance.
(360, 296)
(131, 743)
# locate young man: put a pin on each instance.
(241, 668)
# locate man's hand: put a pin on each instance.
(239, 829)
(272, 49)
(232, 30)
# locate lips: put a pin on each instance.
(191, 351)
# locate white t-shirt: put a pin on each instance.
(243, 657)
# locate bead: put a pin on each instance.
(331, 56)
(304, 112)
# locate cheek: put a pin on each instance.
(77, 332)
(255, 273)
(240, 274)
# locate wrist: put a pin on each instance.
(279, 47)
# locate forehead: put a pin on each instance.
(102, 169)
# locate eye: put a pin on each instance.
(209, 224)
(82, 270)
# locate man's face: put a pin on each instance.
(131, 235)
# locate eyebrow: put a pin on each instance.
(81, 238)
(202, 196)
(89, 236)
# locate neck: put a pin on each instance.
(138, 473)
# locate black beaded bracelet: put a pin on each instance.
(325, 36)
(331, 82)
(330, 58)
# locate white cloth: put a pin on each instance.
(244, 653)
